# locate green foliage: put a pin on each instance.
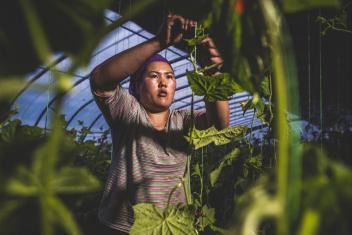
(327, 190)
(338, 22)
(215, 87)
(255, 103)
(206, 218)
(198, 37)
(262, 110)
(226, 172)
(175, 219)
(37, 171)
(326, 196)
(310, 222)
(291, 6)
(201, 138)
(35, 177)
(226, 161)
(243, 42)
(44, 181)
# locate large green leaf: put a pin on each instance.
(301, 5)
(226, 161)
(201, 138)
(213, 88)
(150, 220)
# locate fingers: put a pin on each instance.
(208, 42)
(211, 47)
(185, 24)
(210, 55)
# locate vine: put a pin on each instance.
(338, 22)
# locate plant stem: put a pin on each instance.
(250, 135)
(201, 179)
(288, 159)
(173, 190)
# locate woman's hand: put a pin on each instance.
(209, 56)
(174, 28)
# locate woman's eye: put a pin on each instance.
(153, 75)
(170, 77)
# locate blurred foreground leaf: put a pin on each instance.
(291, 6)
(75, 180)
(44, 180)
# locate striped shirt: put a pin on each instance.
(146, 163)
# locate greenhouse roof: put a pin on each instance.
(35, 106)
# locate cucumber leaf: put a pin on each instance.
(150, 220)
(213, 88)
(201, 138)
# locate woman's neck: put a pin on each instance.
(159, 120)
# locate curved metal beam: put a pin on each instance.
(37, 76)
(77, 111)
(83, 78)
(94, 121)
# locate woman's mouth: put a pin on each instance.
(162, 93)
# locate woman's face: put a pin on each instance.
(157, 87)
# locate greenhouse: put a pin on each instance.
(176, 117)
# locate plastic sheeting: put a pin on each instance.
(35, 106)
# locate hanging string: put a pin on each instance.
(117, 35)
(47, 101)
(164, 20)
(129, 24)
(320, 87)
(119, 9)
(309, 63)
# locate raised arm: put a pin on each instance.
(107, 75)
(218, 112)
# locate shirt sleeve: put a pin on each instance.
(118, 107)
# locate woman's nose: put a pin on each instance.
(163, 81)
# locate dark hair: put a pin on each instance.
(134, 78)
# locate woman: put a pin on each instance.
(149, 150)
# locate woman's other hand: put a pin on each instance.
(209, 55)
(174, 29)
